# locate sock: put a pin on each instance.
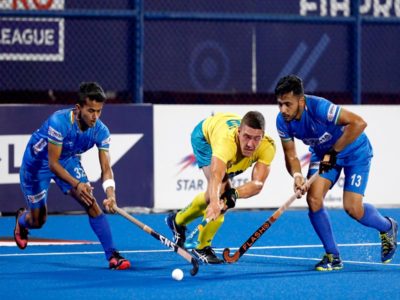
(23, 222)
(102, 229)
(372, 218)
(194, 210)
(209, 231)
(322, 225)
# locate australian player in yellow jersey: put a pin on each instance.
(224, 145)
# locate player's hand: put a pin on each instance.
(213, 210)
(109, 204)
(85, 193)
(328, 162)
(299, 185)
(229, 197)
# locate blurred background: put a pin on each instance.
(197, 52)
(159, 61)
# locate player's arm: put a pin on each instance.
(108, 180)
(253, 187)
(258, 176)
(217, 173)
(354, 126)
(293, 166)
(83, 191)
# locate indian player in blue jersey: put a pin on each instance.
(53, 152)
(337, 142)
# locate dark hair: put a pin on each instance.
(91, 90)
(290, 83)
(254, 119)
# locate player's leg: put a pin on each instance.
(97, 219)
(177, 222)
(203, 250)
(320, 219)
(356, 179)
(34, 186)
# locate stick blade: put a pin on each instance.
(195, 268)
(228, 258)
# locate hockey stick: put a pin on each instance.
(182, 252)
(263, 228)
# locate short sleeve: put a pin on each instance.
(103, 138)
(56, 130)
(327, 111)
(282, 128)
(224, 149)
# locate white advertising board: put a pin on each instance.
(178, 180)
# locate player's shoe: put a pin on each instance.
(389, 242)
(20, 233)
(179, 231)
(207, 255)
(117, 262)
(329, 262)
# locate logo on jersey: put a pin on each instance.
(318, 141)
(331, 112)
(39, 146)
(55, 134)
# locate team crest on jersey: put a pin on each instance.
(54, 133)
(331, 112)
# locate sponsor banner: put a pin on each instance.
(178, 180)
(131, 152)
(32, 39)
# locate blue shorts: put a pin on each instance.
(355, 175)
(35, 182)
(201, 148)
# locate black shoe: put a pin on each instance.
(329, 262)
(207, 255)
(389, 242)
(179, 231)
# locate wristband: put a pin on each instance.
(76, 186)
(297, 174)
(108, 183)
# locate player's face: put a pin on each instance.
(89, 113)
(291, 106)
(249, 139)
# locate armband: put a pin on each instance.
(108, 183)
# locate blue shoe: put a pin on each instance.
(329, 262)
(179, 231)
(389, 242)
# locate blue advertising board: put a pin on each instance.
(27, 39)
